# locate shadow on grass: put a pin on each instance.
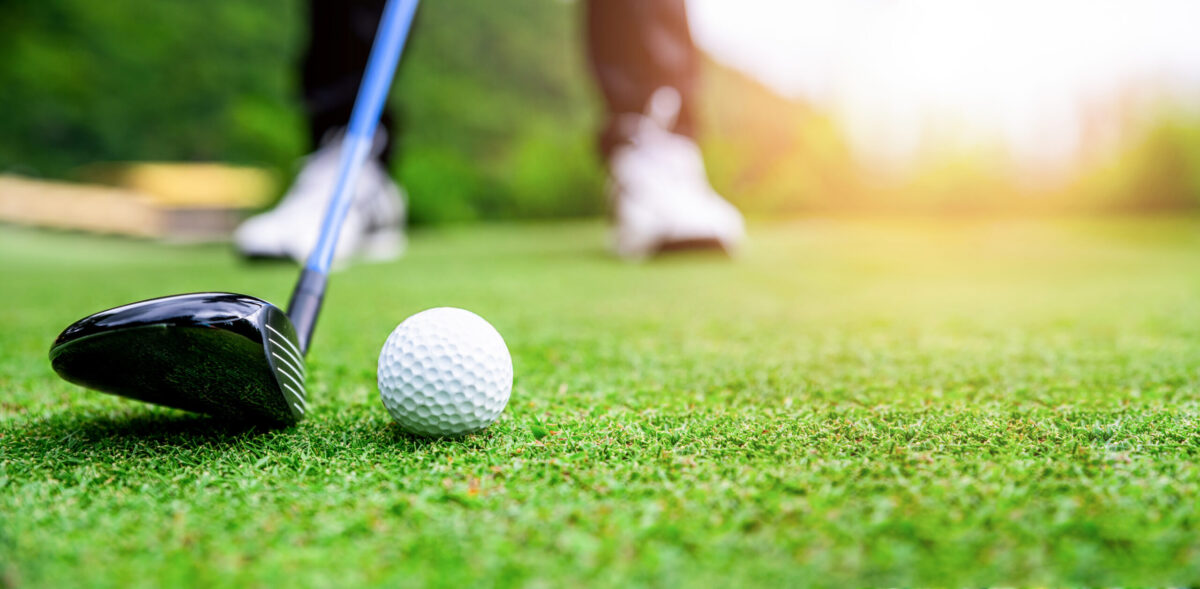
(147, 435)
(136, 428)
(148, 424)
(403, 440)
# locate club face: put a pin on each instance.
(226, 355)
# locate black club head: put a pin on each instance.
(228, 355)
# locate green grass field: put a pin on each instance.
(853, 402)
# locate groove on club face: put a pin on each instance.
(226, 355)
(289, 364)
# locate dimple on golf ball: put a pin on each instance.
(445, 372)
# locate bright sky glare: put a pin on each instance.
(902, 75)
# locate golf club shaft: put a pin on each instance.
(356, 148)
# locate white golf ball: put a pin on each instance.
(445, 372)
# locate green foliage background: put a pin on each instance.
(494, 97)
(498, 116)
(139, 80)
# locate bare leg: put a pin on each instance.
(636, 47)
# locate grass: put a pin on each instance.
(853, 402)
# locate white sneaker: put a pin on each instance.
(374, 227)
(659, 190)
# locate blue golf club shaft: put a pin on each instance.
(356, 148)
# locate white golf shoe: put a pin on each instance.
(659, 190)
(374, 227)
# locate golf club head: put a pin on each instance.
(226, 355)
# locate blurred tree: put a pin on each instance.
(496, 109)
(491, 95)
(497, 112)
(138, 80)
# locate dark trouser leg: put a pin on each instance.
(636, 47)
(340, 37)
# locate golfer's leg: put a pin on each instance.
(341, 33)
(636, 47)
(339, 43)
(646, 65)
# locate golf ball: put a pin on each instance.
(445, 372)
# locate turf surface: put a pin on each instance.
(852, 403)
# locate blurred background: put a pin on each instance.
(928, 106)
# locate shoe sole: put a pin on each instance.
(382, 245)
(686, 245)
